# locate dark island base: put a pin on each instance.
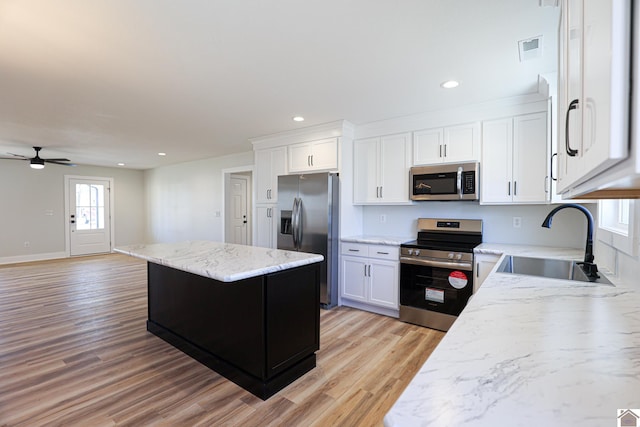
(261, 332)
(255, 386)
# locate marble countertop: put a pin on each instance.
(220, 261)
(377, 240)
(530, 251)
(531, 351)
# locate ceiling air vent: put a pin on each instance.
(530, 48)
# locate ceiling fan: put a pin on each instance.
(37, 162)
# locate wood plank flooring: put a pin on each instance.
(74, 351)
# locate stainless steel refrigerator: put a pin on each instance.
(307, 219)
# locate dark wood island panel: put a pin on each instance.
(261, 333)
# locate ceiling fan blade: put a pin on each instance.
(58, 162)
(14, 158)
(19, 155)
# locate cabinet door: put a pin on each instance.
(530, 158)
(324, 154)
(428, 146)
(300, 157)
(265, 227)
(496, 166)
(278, 167)
(365, 170)
(383, 283)
(315, 155)
(484, 265)
(605, 68)
(270, 163)
(354, 278)
(461, 143)
(394, 168)
(263, 175)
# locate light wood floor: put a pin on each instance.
(74, 351)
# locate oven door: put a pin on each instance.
(435, 287)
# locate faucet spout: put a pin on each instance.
(588, 266)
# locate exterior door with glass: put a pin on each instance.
(89, 216)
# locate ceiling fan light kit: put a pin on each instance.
(37, 162)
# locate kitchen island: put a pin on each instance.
(251, 314)
(531, 351)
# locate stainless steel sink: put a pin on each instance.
(544, 267)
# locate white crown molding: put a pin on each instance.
(311, 133)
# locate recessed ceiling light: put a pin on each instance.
(120, 164)
(449, 84)
(162, 154)
(298, 119)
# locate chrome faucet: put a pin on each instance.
(590, 269)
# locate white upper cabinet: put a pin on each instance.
(593, 104)
(448, 144)
(381, 170)
(514, 166)
(270, 163)
(314, 155)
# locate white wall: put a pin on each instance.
(183, 199)
(27, 194)
(569, 228)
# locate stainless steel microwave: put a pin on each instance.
(454, 181)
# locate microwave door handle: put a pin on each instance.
(460, 181)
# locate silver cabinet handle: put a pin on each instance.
(440, 152)
(445, 150)
(383, 253)
(312, 160)
(515, 188)
(509, 188)
(477, 269)
(354, 250)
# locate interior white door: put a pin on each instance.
(238, 230)
(89, 217)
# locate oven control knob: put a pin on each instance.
(450, 255)
(410, 251)
(458, 256)
(417, 252)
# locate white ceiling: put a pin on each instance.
(108, 81)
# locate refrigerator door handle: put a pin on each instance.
(294, 222)
(298, 229)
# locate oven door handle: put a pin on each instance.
(439, 264)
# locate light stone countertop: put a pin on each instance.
(531, 351)
(220, 261)
(377, 240)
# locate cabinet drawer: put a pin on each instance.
(355, 249)
(384, 252)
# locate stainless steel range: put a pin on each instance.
(436, 271)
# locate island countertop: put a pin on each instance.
(225, 262)
(531, 351)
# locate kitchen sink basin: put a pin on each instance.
(545, 267)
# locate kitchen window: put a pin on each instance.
(616, 225)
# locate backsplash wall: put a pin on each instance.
(569, 227)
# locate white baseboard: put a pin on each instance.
(32, 257)
(372, 308)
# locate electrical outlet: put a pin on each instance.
(383, 219)
(26, 244)
(517, 222)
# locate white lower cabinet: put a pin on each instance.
(370, 277)
(484, 263)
